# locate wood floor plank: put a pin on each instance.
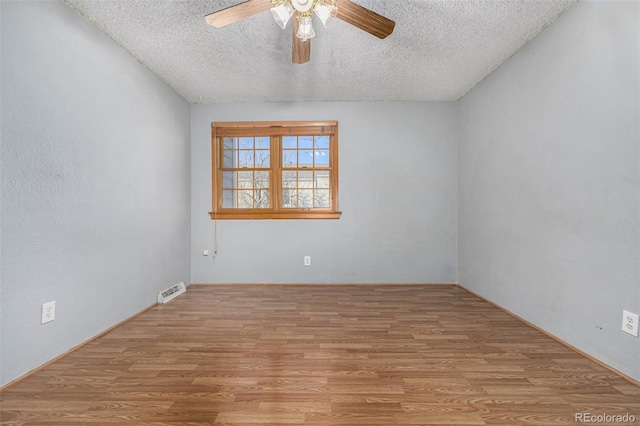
(320, 355)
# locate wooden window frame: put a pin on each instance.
(275, 130)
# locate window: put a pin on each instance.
(275, 170)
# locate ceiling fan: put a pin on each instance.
(300, 10)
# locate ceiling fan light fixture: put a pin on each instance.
(282, 13)
(326, 10)
(305, 27)
(302, 11)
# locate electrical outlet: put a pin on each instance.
(630, 323)
(48, 312)
(307, 261)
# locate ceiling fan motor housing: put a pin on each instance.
(302, 5)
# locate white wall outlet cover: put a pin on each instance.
(630, 323)
(48, 312)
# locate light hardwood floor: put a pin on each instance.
(320, 355)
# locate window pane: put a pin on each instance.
(322, 179)
(263, 158)
(305, 198)
(321, 157)
(305, 142)
(229, 180)
(289, 142)
(230, 158)
(230, 143)
(322, 142)
(228, 199)
(246, 159)
(245, 199)
(289, 179)
(305, 158)
(246, 143)
(321, 198)
(305, 179)
(289, 198)
(289, 158)
(261, 180)
(245, 180)
(263, 142)
(262, 199)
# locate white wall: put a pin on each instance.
(397, 194)
(95, 183)
(549, 181)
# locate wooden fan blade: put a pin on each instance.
(365, 19)
(235, 13)
(301, 50)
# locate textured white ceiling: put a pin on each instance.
(440, 49)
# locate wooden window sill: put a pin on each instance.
(272, 215)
